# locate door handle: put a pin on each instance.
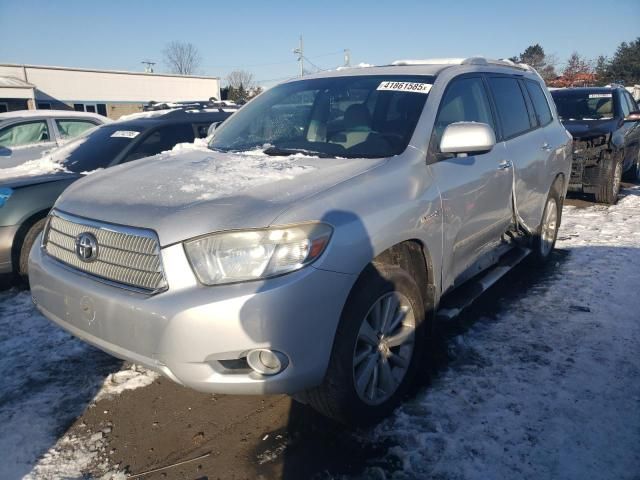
(505, 164)
(546, 147)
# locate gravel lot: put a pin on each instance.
(539, 379)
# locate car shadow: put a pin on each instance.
(49, 378)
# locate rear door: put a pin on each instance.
(526, 144)
(475, 190)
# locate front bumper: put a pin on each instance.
(191, 332)
(7, 236)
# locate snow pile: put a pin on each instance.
(126, 379)
(40, 166)
(550, 386)
(200, 174)
(147, 114)
(48, 379)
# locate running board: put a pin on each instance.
(454, 303)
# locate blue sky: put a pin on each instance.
(259, 36)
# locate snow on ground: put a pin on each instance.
(550, 386)
(48, 379)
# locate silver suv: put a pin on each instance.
(310, 249)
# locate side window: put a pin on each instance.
(512, 109)
(540, 104)
(464, 101)
(73, 128)
(24, 134)
(632, 103)
(161, 140)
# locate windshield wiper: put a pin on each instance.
(285, 152)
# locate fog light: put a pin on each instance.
(267, 362)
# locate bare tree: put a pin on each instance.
(240, 78)
(182, 58)
(241, 86)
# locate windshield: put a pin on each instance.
(584, 105)
(354, 116)
(97, 148)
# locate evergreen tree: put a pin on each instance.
(625, 65)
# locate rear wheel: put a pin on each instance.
(377, 348)
(544, 240)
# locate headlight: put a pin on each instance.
(5, 193)
(251, 255)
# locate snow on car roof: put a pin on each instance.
(50, 114)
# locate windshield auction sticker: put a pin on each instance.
(405, 87)
(600, 95)
(125, 134)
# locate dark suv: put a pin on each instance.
(605, 125)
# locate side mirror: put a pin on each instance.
(5, 152)
(464, 138)
(633, 116)
(212, 128)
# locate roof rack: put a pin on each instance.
(464, 61)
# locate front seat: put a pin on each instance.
(357, 126)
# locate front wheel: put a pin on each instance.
(610, 187)
(377, 348)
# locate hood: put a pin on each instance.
(590, 128)
(29, 180)
(181, 195)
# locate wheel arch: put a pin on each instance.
(20, 235)
(414, 257)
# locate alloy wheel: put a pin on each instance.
(384, 348)
(549, 227)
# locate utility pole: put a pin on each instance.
(148, 66)
(300, 52)
(347, 57)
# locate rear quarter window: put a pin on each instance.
(511, 106)
(540, 104)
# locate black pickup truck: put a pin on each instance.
(605, 125)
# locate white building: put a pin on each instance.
(108, 92)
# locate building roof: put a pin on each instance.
(14, 82)
(120, 72)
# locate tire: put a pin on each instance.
(341, 396)
(544, 240)
(633, 174)
(609, 186)
(29, 239)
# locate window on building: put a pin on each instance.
(73, 128)
(90, 108)
(44, 106)
(78, 107)
(102, 109)
(4, 107)
(511, 105)
(25, 133)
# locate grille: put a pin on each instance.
(126, 256)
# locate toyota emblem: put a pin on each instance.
(87, 247)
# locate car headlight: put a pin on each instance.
(230, 257)
(5, 193)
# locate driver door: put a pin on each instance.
(475, 189)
